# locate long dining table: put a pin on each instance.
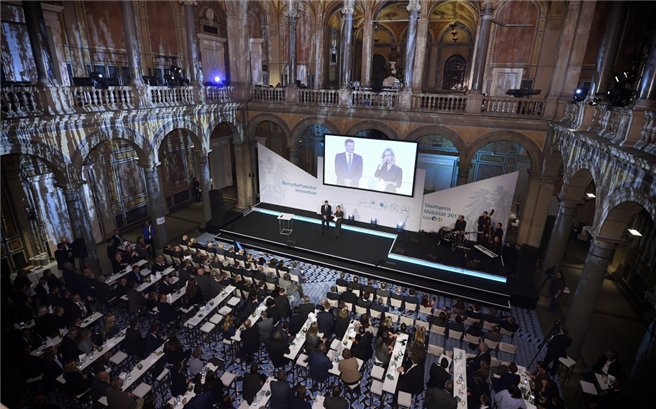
(396, 360)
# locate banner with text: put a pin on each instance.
(285, 184)
(443, 208)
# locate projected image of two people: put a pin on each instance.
(370, 164)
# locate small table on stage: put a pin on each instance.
(286, 223)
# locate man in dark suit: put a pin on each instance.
(272, 310)
(474, 364)
(282, 303)
(606, 364)
(117, 262)
(167, 312)
(498, 232)
(333, 295)
(78, 307)
(29, 339)
(398, 295)
(68, 346)
(441, 398)
(341, 281)
(121, 288)
(247, 309)
(326, 320)
(165, 285)
(348, 165)
(203, 281)
(383, 293)
(506, 380)
(557, 348)
(134, 341)
(104, 293)
(326, 212)
(42, 290)
(411, 298)
(250, 342)
(349, 296)
(455, 326)
(412, 379)
(53, 368)
(297, 321)
(336, 401)
(307, 307)
(364, 302)
(153, 340)
(319, 364)
(439, 374)
(136, 301)
(87, 283)
(509, 324)
(356, 284)
(380, 307)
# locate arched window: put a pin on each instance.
(454, 73)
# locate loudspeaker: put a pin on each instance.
(390, 264)
(528, 259)
(218, 207)
(379, 262)
(400, 251)
(433, 257)
(415, 240)
(291, 243)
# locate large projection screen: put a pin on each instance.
(370, 164)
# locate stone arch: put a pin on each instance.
(54, 158)
(194, 130)
(106, 133)
(575, 180)
(534, 151)
(377, 125)
(312, 120)
(617, 209)
(232, 122)
(450, 134)
(258, 119)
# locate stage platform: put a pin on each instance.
(368, 250)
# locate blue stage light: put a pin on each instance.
(351, 217)
(374, 221)
(400, 226)
(217, 79)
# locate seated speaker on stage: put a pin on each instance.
(461, 224)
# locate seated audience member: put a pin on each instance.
(300, 400)
(253, 382)
(341, 281)
(475, 331)
(507, 379)
(76, 382)
(196, 362)
(510, 398)
(509, 324)
(456, 326)
(333, 294)
(411, 298)
(167, 312)
(153, 340)
(493, 335)
(335, 401)
(606, 364)
(361, 347)
(437, 398)
(384, 347)
(458, 307)
(411, 379)
(474, 364)
(99, 386)
(439, 374)
(427, 302)
(348, 368)
(121, 288)
(491, 316)
(349, 296)
(117, 399)
(383, 293)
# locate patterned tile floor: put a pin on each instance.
(317, 281)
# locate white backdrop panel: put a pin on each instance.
(471, 200)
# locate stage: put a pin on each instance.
(372, 251)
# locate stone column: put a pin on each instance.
(587, 293)
(195, 74)
(244, 176)
(367, 52)
(535, 211)
(36, 30)
(155, 205)
(560, 235)
(292, 17)
(238, 45)
(481, 47)
(608, 48)
(420, 55)
(413, 9)
(132, 44)
(205, 185)
(81, 224)
(463, 174)
(647, 90)
(347, 43)
(319, 61)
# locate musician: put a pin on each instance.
(461, 224)
(497, 245)
(482, 221)
(498, 232)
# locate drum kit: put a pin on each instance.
(454, 237)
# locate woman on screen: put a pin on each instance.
(389, 175)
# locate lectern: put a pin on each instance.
(286, 223)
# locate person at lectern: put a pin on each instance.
(326, 212)
(461, 224)
(348, 165)
(339, 215)
(390, 176)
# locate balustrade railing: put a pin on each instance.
(647, 140)
(94, 99)
(20, 102)
(269, 94)
(369, 99)
(611, 122)
(165, 96)
(513, 106)
(436, 102)
(318, 97)
(218, 95)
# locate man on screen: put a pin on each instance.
(348, 166)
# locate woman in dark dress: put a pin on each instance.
(342, 323)
(194, 293)
(339, 215)
(179, 380)
(390, 176)
(76, 381)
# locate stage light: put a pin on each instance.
(590, 195)
(351, 217)
(399, 226)
(374, 221)
(635, 232)
(580, 94)
(217, 79)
